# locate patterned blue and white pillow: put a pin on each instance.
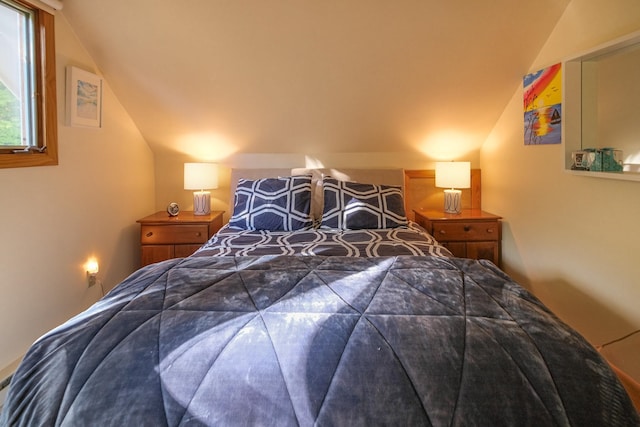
(354, 206)
(274, 204)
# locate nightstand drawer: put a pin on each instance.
(163, 237)
(173, 234)
(471, 234)
(468, 231)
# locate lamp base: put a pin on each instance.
(453, 201)
(201, 203)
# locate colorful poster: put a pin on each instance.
(543, 106)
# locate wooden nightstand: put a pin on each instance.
(163, 237)
(471, 234)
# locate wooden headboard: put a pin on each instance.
(421, 192)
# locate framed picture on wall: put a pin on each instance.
(84, 98)
(543, 106)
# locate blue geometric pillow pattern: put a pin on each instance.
(355, 206)
(274, 204)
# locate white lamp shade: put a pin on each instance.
(453, 174)
(200, 176)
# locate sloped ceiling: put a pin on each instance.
(308, 76)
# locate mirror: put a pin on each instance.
(601, 105)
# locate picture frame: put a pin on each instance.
(84, 98)
(542, 97)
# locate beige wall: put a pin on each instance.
(53, 218)
(574, 241)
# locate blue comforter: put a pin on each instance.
(312, 340)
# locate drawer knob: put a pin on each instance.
(467, 228)
(442, 232)
(149, 234)
(198, 234)
(489, 230)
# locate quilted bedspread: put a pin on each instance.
(316, 340)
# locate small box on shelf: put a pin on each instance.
(597, 160)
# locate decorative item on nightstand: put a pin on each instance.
(453, 175)
(201, 177)
(173, 209)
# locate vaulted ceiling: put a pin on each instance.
(309, 76)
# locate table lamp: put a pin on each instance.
(453, 175)
(201, 177)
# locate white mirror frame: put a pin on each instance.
(572, 106)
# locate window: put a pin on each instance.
(28, 116)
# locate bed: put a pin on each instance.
(319, 303)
